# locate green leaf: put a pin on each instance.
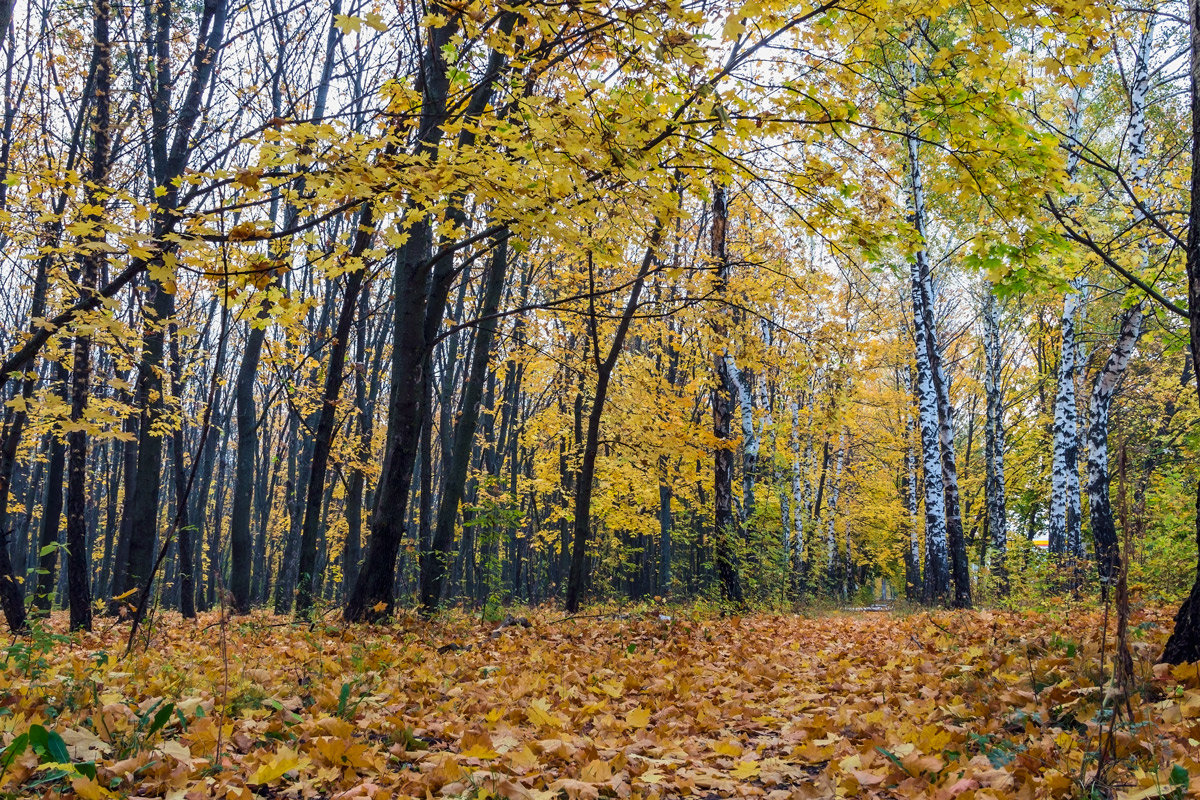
(892, 757)
(15, 748)
(39, 739)
(57, 748)
(1179, 776)
(160, 719)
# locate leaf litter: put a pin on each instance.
(970, 705)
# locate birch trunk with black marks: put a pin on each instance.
(1104, 532)
(1103, 528)
(993, 439)
(750, 439)
(1064, 503)
(725, 526)
(835, 487)
(1064, 467)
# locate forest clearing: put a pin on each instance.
(674, 703)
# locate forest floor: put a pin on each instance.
(869, 705)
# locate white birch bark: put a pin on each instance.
(750, 439)
(1103, 529)
(834, 490)
(796, 520)
(994, 489)
(937, 549)
(1064, 466)
(1064, 510)
(914, 542)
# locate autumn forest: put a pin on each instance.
(589, 398)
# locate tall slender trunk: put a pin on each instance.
(423, 287)
(750, 439)
(169, 160)
(937, 545)
(994, 491)
(78, 579)
(831, 547)
(914, 586)
(1103, 528)
(1064, 469)
(433, 565)
(591, 445)
(323, 437)
(725, 524)
(795, 553)
(48, 539)
(352, 552)
(1184, 643)
(1104, 531)
(933, 386)
(184, 545)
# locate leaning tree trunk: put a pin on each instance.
(1108, 558)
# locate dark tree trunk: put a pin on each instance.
(51, 515)
(352, 552)
(241, 541)
(725, 527)
(1184, 644)
(184, 546)
(79, 591)
(323, 438)
(433, 563)
(591, 446)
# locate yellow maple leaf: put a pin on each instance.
(745, 770)
(88, 789)
(347, 24)
(283, 761)
(539, 714)
(479, 750)
(597, 771)
(638, 717)
(729, 748)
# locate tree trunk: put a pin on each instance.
(48, 544)
(591, 446)
(323, 438)
(1108, 558)
(433, 563)
(1064, 469)
(994, 491)
(725, 526)
(1184, 644)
